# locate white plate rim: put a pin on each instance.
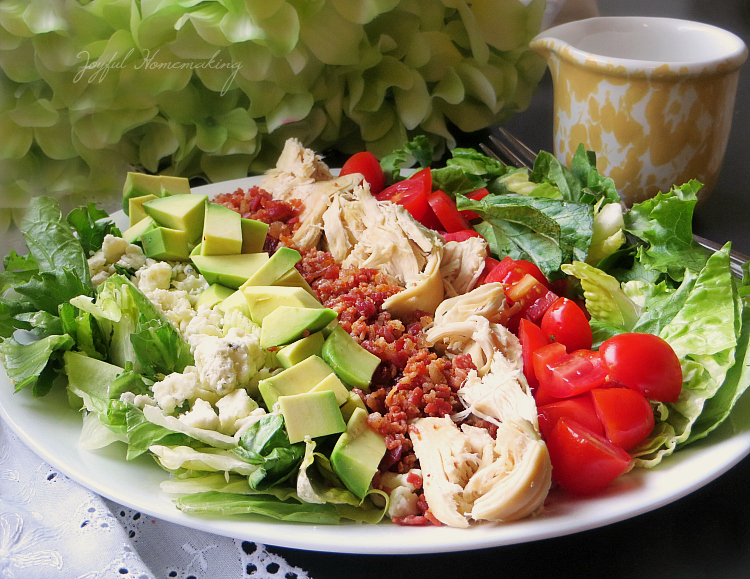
(51, 428)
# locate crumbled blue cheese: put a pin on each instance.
(225, 363)
(233, 409)
(403, 498)
(201, 415)
(138, 400)
(177, 388)
(115, 251)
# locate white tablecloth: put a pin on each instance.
(53, 528)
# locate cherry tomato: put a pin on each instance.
(563, 375)
(580, 408)
(410, 193)
(532, 338)
(584, 462)
(566, 323)
(644, 362)
(511, 270)
(476, 196)
(626, 414)
(445, 210)
(489, 265)
(462, 235)
(368, 165)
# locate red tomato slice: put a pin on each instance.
(646, 363)
(462, 235)
(580, 408)
(500, 271)
(445, 210)
(532, 338)
(566, 323)
(410, 193)
(626, 414)
(584, 462)
(476, 196)
(368, 165)
(563, 375)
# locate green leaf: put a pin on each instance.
(34, 365)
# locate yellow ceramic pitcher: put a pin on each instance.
(653, 97)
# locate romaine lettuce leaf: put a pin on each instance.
(704, 334)
(34, 365)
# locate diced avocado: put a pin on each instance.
(253, 235)
(262, 300)
(332, 383)
(133, 233)
(136, 208)
(293, 278)
(300, 378)
(165, 243)
(357, 454)
(287, 323)
(229, 270)
(351, 362)
(222, 231)
(139, 184)
(171, 185)
(280, 262)
(353, 401)
(295, 352)
(311, 414)
(183, 212)
(195, 251)
(213, 295)
(235, 300)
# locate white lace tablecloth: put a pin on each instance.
(53, 528)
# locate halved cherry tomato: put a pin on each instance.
(368, 165)
(626, 414)
(475, 196)
(566, 323)
(489, 265)
(584, 462)
(445, 210)
(644, 362)
(532, 338)
(563, 375)
(580, 408)
(511, 270)
(462, 235)
(410, 193)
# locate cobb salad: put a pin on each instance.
(459, 291)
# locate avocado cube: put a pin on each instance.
(164, 243)
(357, 454)
(253, 235)
(262, 300)
(229, 270)
(280, 262)
(298, 379)
(184, 212)
(237, 301)
(311, 414)
(133, 233)
(137, 213)
(332, 383)
(293, 278)
(213, 295)
(353, 401)
(287, 323)
(351, 362)
(140, 184)
(295, 352)
(222, 231)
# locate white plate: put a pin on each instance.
(51, 429)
